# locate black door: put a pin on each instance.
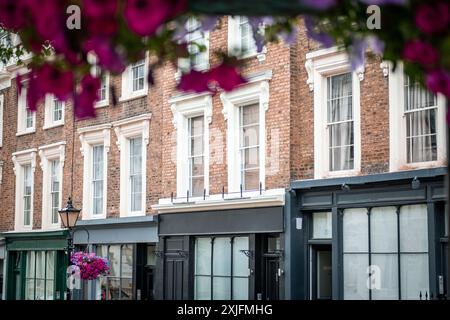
(174, 281)
(321, 272)
(147, 291)
(272, 279)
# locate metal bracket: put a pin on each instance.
(248, 253)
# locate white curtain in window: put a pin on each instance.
(202, 269)
(356, 258)
(240, 268)
(221, 269)
(40, 275)
(420, 112)
(340, 122)
(50, 276)
(30, 275)
(414, 251)
(355, 276)
(322, 225)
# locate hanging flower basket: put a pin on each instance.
(91, 266)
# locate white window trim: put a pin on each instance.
(20, 159)
(183, 108)
(48, 113)
(397, 126)
(202, 67)
(90, 137)
(21, 115)
(126, 129)
(257, 92)
(234, 36)
(47, 154)
(92, 59)
(2, 99)
(127, 83)
(319, 65)
(105, 102)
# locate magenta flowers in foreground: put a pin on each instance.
(225, 76)
(91, 266)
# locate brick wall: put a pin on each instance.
(289, 128)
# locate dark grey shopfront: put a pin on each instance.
(227, 254)
(372, 237)
(129, 244)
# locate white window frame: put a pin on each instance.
(321, 64)
(183, 108)
(104, 102)
(48, 113)
(127, 82)
(47, 154)
(125, 130)
(184, 63)
(2, 99)
(95, 71)
(22, 115)
(257, 92)
(20, 159)
(234, 41)
(397, 126)
(90, 137)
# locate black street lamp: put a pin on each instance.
(69, 217)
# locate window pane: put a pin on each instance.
(221, 288)
(126, 292)
(322, 225)
(240, 260)
(240, 288)
(340, 98)
(341, 134)
(136, 174)
(414, 276)
(251, 179)
(137, 71)
(388, 276)
(355, 229)
(29, 120)
(355, 276)
(27, 195)
(251, 158)
(413, 228)
(416, 97)
(421, 136)
(202, 288)
(247, 42)
(113, 289)
(383, 228)
(114, 260)
(57, 110)
(30, 275)
(221, 257)
(127, 261)
(203, 256)
(250, 114)
(341, 146)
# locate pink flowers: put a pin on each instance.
(226, 76)
(84, 102)
(91, 266)
(12, 14)
(438, 81)
(48, 79)
(421, 52)
(145, 16)
(433, 17)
